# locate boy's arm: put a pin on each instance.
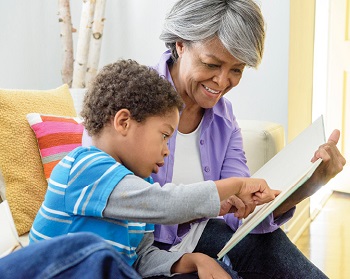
(152, 261)
(136, 200)
(175, 204)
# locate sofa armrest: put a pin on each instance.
(261, 141)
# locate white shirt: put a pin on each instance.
(188, 169)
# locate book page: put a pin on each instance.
(286, 171)
(9, 240)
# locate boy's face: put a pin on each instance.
(147, 143)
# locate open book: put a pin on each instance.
(286, 171)
(9, 240)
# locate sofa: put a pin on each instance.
(38, 127)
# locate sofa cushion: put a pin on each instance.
(261, 141)
(56, 136)
(20, 160)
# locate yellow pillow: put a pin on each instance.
(20, 160)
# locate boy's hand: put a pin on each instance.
(251, 191)
(235, 205)
(205, 266)
(208, 268)
(256, 190)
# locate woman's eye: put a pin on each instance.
(165, 136)
(212, 65)
(237, 71)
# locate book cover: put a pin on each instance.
(286, 171)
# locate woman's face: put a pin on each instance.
(204, 72)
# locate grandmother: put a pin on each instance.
(210, 43)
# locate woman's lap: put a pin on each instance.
(270, 255)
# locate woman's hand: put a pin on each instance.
(332, 163)
(205, 266)
(332, 160)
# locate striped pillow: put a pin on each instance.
(56, 136)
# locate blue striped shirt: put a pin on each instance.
(77, 194)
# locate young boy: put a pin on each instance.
(130, 113)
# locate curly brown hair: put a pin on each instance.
(126, 84)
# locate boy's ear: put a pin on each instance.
(121, 121)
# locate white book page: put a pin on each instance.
(286, 171)
(9, 240)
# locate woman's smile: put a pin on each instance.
(211, 90)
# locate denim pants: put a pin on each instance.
(270, 255)
(80, 255)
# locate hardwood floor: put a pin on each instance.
(327, 241)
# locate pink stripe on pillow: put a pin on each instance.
(58, 149)
(46, 128)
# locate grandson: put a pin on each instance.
(130, 113)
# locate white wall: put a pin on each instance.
(30, 53)
(263, 93)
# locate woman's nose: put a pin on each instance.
(222, 79)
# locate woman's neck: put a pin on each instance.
(190, 119)
(191, 115)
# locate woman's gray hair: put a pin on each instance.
(238, 24)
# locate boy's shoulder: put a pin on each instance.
(86, 151)
(92, 157)
(85, 155)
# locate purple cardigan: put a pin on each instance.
(222, 156)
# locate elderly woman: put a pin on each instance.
(210, 43)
